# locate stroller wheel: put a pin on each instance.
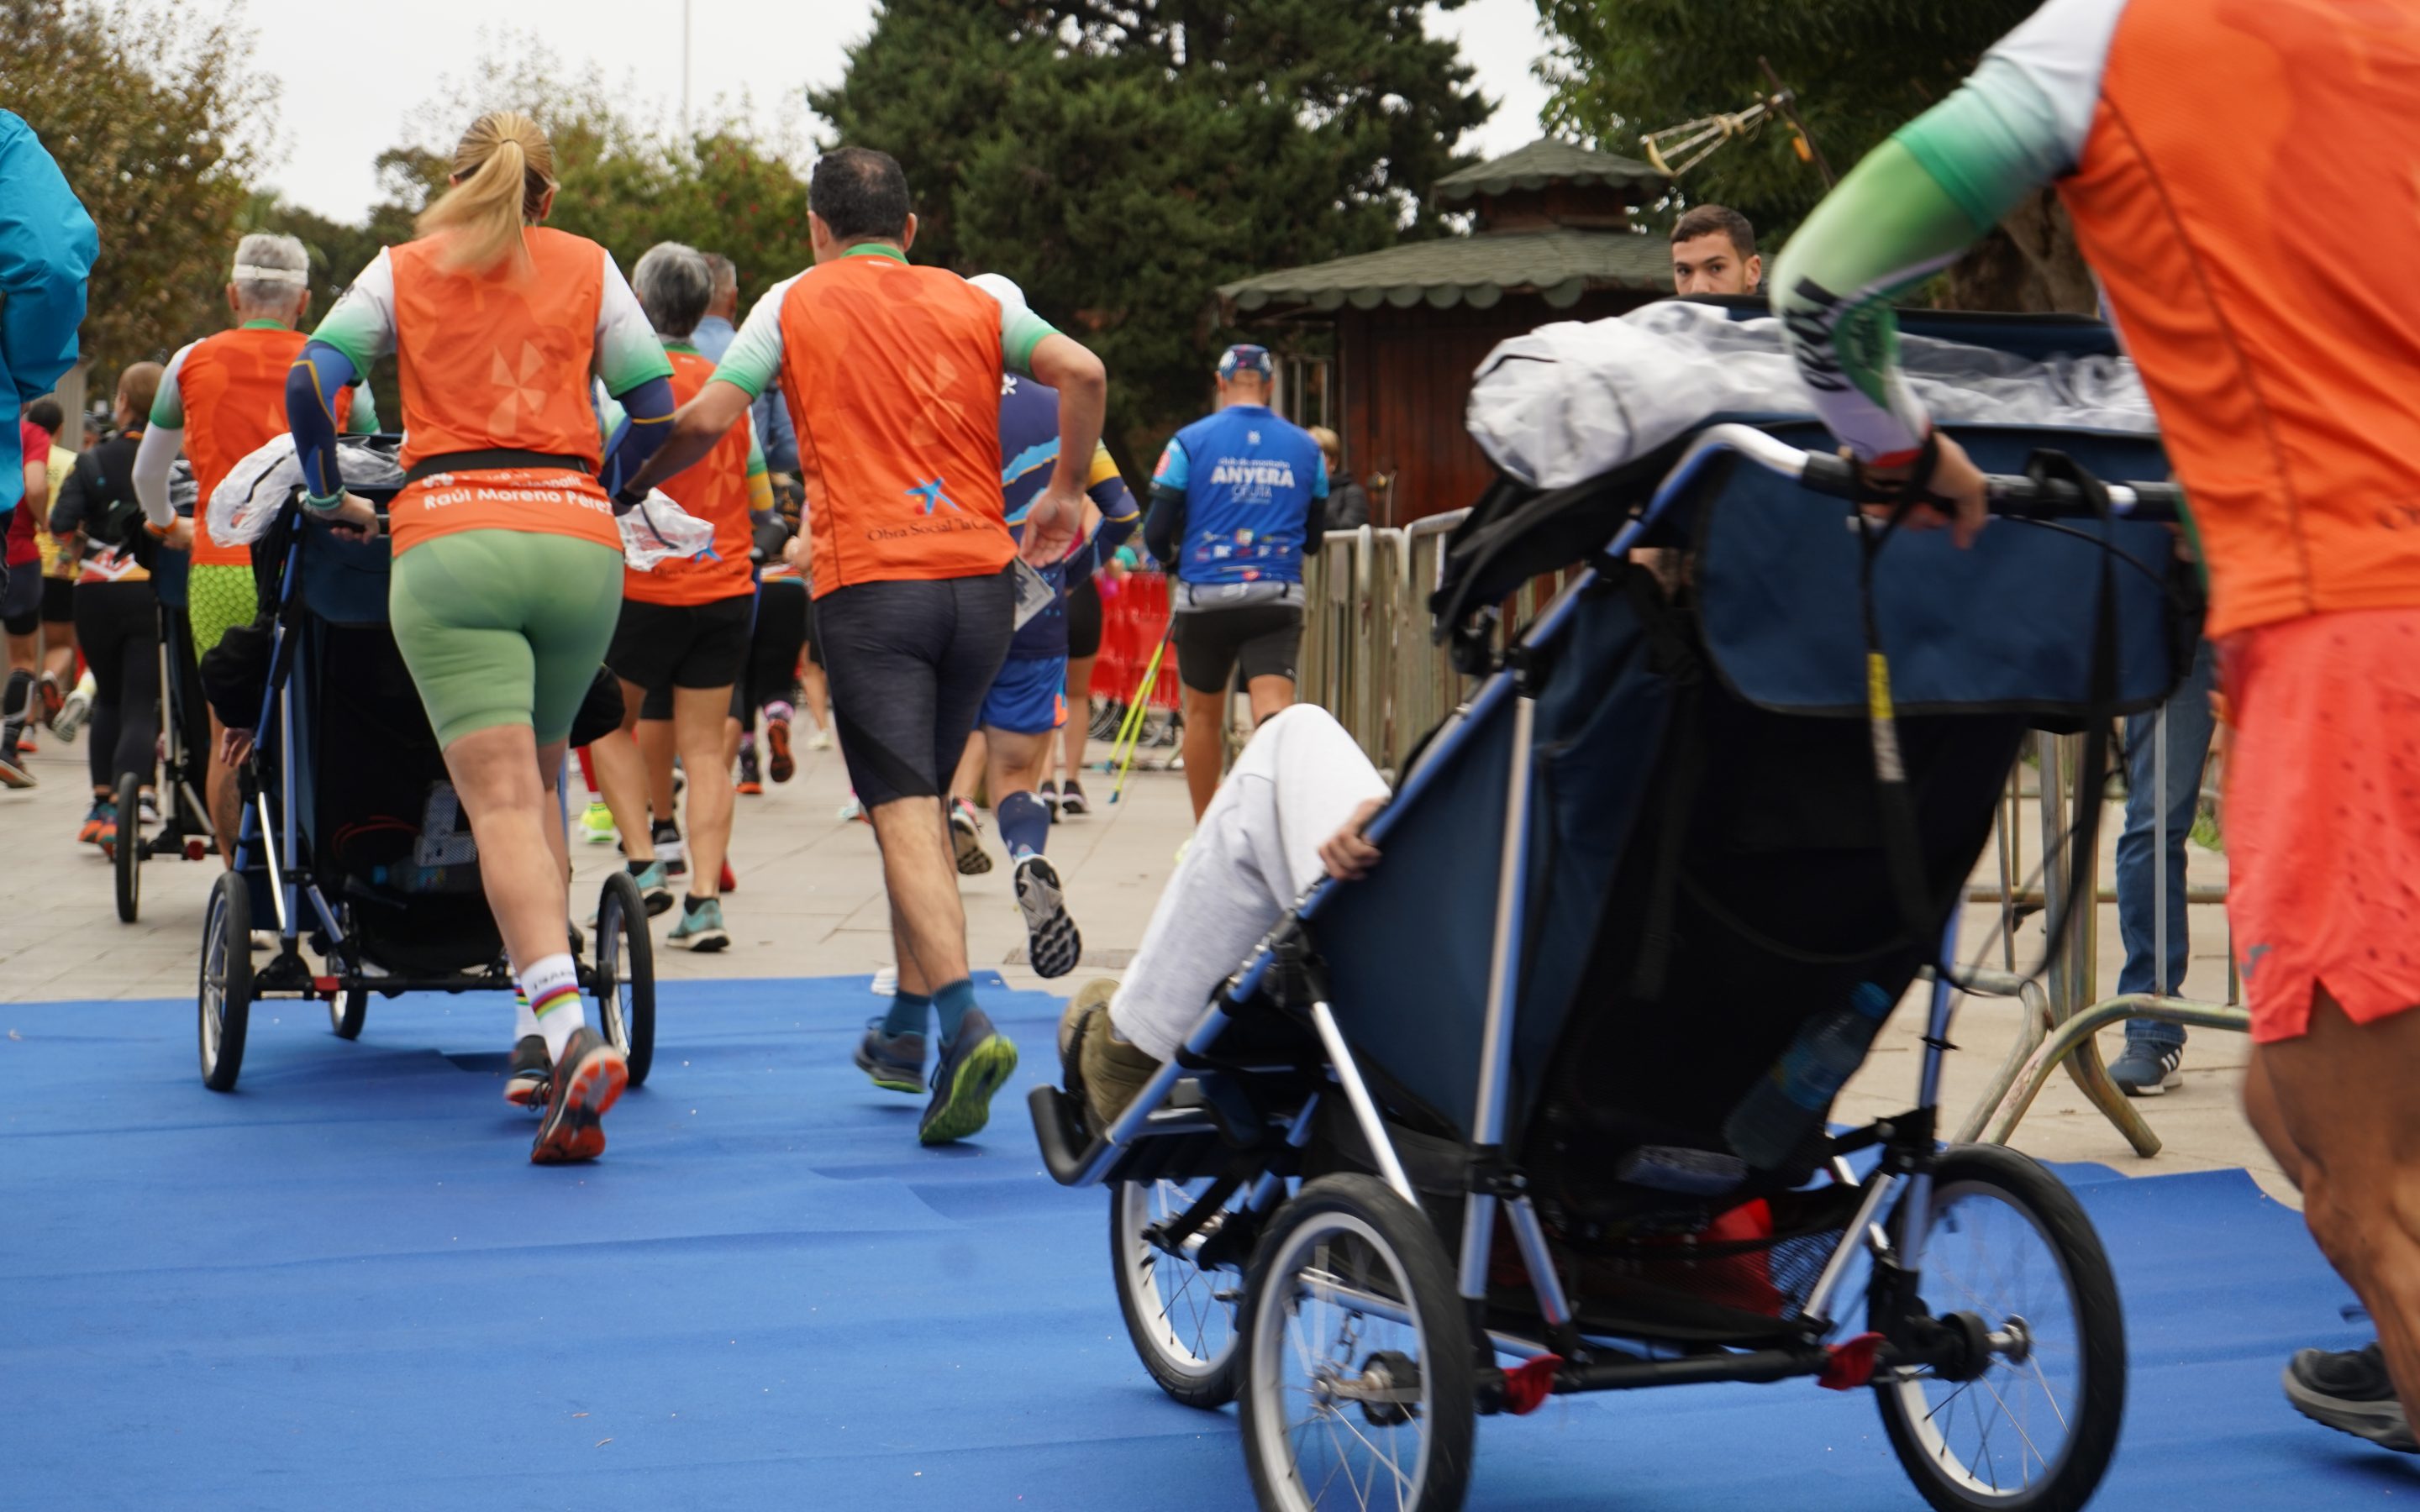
(1358, 1365)
(1180, 1310)
(2030, 1420)
(126, 856)
(623, 976)
(226, 980)
(346, 1010)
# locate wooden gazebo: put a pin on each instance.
(1552, 239)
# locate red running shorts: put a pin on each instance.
(2324, 816)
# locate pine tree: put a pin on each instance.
(1121, 161)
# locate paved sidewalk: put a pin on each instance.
(810, 904)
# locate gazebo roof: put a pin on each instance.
(1560, 264)
(1546, 161)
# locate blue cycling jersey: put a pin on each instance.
(1251, 480)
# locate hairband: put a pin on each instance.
(255, 273)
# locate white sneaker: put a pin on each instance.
(820, 740)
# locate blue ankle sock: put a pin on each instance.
(1024, 823)
(951, 1003)
(908, 1014)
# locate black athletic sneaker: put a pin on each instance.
(1072, 800)
(972, 1067)
(532, 1076)
(669, 849)
(587, 1080)
(1049, 794)
(2349, 1390)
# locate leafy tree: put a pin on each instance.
(1120, 160)
(1860, 69)
(157, 122)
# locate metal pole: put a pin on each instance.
(685, 8)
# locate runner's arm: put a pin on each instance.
(1163, 530)
(1904, 213)
(1120, 517)
(1084, 384)
(749, 367)
(162, 439)
(355, 333)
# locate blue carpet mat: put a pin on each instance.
(344, 1286)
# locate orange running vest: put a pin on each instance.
(714, 490)
(233, 389)
(892, 373)
(2245, 195)
(500, 360)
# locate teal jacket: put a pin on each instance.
(47, 245)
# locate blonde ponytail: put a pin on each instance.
(503, 170)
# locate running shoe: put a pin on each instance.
(701, 925)
(53, 698)
(25, 746)
(2147, 1070)
(597, 823)
(750, 782)
(76, 710)
(729, 882)
(13, 773)
(966, 829)
(1072, 800)
(1053, 945)
(655, 887)
(820, 740)
(972, 1067)
(671, 849)
(853, 811)
(779, 765)
(1049, 794)
(147, 807)
(101, 815)
(589, 1078)
(895, 1062)
(2349, 1390)
(530, 1078)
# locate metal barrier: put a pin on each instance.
(2062, 1013)
(1367, 655)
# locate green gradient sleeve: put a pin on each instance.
(168, 405)
(1904, 213)
(754, 359)
(1020, 332)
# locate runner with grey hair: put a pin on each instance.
(271, 280)
(684, 631)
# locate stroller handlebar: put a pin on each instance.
(2027, 498)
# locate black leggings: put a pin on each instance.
(780, 634)
(117, 625)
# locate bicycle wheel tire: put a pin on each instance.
(126, 856)
(624, 977)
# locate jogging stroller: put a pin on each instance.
(1459, 1136)
(353, 835)
(184, 828)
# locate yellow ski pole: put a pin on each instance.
(1134, 715)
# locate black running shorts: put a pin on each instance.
(1257, 640)
(682, 646)
(909, 663)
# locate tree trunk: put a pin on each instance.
(2028, 263)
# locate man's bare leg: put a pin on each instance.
(920, 872)
(2340, 1100)
(1268, 695)
(1205, 746)
(698, 718)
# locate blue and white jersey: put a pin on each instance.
(1029, 454)
(1251, 480)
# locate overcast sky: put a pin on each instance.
(346, 92)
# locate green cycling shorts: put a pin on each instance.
(218, 596)
(504, 627)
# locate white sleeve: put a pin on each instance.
(627, 351)
(362, 324)
(2061, 51)
(160, 443)
(753, 362)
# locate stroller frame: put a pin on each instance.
(619, 973)
(1570, 1358)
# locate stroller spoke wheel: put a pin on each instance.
(1359, 1385)
(1181, 1317)
(2029, 1417)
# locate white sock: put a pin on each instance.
(553, 987)
(524, 1020)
